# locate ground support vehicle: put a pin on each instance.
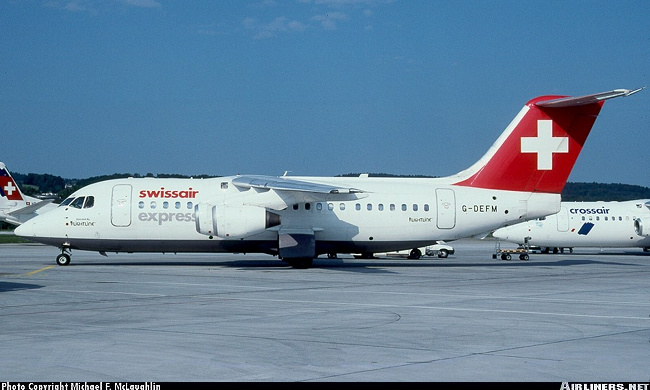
(506, 254)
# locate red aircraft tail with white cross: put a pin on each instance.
(539, 148)
(299, 218)
(15, 207)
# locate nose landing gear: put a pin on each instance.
(64, 257)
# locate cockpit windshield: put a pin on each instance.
(80, 202)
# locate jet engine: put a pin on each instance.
(226, 221)
(638, 228)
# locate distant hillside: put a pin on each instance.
(34, 184)
(599, 191)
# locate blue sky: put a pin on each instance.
(314, 87)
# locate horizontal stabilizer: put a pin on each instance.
(587, 99)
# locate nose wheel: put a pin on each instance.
(64, 257)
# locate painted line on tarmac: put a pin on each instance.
(38, 270)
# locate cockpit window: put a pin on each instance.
(66, 202)
(78, 203)
(85, 202)
(90, 202)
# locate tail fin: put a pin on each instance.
(537, 151)
(8, 187)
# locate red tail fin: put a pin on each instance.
(537, 151)
(8, 187)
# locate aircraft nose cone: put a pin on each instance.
(24, 230)
(501, 234)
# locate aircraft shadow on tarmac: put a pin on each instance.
(357, 265)
(10, 286)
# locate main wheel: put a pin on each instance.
(524, 256)
(63, 259)
(415, 254)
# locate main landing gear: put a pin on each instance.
(64, 257)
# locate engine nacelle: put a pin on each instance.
(233, 221)
(638, 228)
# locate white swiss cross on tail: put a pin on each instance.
(9, 189)
(544, 145)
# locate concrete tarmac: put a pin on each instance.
(579, 317)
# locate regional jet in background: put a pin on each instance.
(16, 208)
(585, 224)
(297, 219)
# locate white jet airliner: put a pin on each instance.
(16, 208)
(299, 218)
(586, 224)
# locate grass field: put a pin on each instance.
(12, 239)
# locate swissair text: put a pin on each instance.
(162, 193)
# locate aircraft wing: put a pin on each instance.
(291, 191)
(288, 184)
(30, 209)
